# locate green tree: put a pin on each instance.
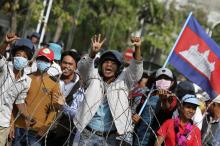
(116, 19)
(162, 26)
(76, 21)
(14, 9)
(216, 33)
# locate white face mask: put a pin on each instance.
(163, 84)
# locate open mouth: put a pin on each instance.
(108, 70)
(65, 70)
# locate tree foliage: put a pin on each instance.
(77, 21)
(216, 33)
(162, 26)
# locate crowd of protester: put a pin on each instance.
(56, 97)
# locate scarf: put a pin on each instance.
(181, 138)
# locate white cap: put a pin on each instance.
(164, 71)
(189, 98)
(217, 99)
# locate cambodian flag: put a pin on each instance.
(197, 57)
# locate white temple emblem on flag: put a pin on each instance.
(199, 60)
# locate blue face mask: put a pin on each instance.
(42, 66)
(20, 63)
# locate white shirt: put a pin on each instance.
(11, 91)
(77, 96)
(66, 88)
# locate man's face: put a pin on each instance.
(214, 108)
(143, 82)
(68, 65)
(21, 53)
(188, 110)
(109, 69)
(34, 40)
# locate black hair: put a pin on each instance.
(73, 54)
(35, 34)
(183, 88)
(144, 75)
(187, 103)
(43, 58)
(25, 49)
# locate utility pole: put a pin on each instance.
(42, 23)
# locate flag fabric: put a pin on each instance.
(197, 57)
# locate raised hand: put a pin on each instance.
(164, 93)
(136, 41)
(96, 45)
(136, 118)
(10, 37)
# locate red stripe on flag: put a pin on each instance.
(190, 38)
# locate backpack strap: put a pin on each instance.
(69, 97)
(54, 78)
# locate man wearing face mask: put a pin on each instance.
(39, 103)
(160, 106)
(14, 83)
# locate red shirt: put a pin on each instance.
(167, 131)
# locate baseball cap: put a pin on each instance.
(48, 53)
(35, 34)
(23, 44)
(183, 88)
(56, 48)
(189, 98)
(164, 71)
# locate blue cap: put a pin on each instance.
(23, 44)
(189, 98)
(56, 49)
(35, 34)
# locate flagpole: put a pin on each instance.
(174, 46)
(146, 100)
(177, 40)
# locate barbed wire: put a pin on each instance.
(72, 127)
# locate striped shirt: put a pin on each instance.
(11, 91)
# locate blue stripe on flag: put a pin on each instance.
(187, 70)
